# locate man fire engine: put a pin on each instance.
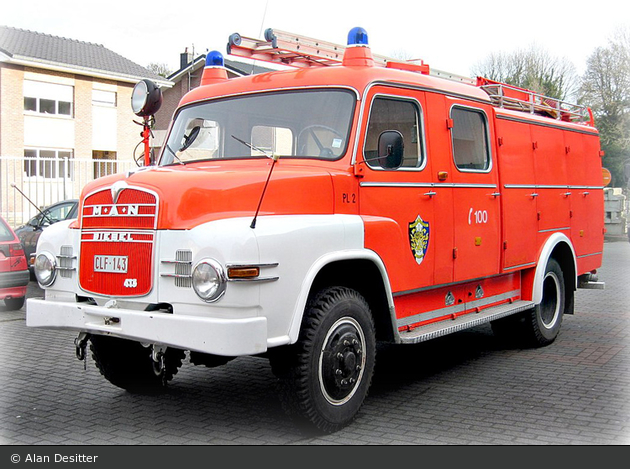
(303, 215)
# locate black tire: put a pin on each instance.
(546, 318)
(540, 325)
(128, 365)
(326, 375)
(13, 304)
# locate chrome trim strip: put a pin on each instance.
(589, 255)
(416, 318)
(256, 279)
(436, 185)
(555, 229)
(534, 186)
(240, 266)
(529, 264)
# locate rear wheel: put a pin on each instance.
(540, 325)
(545, 319)
(326, 375)
(129, 365)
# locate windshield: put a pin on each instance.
(303, 124)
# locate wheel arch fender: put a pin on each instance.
(371, 280)
(559, 247)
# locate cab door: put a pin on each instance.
(403, 211)
(397, 203)
(476, 195)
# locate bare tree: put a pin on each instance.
(161, 69)
(605, 89)
(534, 69)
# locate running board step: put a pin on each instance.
(448, 326)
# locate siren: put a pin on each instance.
(358, 52)
(214, 70)
(358, 37)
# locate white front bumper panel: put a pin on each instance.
(228, 337)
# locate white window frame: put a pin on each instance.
(39, 163)
(55, 92)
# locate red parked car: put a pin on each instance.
(14, 274)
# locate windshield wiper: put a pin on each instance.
(174, 154)
(255, 148)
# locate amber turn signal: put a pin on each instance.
(243, 272)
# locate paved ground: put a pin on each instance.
(463, 389)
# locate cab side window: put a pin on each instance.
(399, 115)
(470, 139)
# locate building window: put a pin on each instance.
(48, 98)
(470, 139)
(48, 164)
(104, 98)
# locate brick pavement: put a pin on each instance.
(462, 389)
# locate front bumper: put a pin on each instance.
(227, 337)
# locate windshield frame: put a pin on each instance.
(166, 148)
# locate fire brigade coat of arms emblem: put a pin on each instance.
(419, 238)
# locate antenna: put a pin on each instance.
(275, 159)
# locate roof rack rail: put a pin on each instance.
(295, 50)
(511, 97)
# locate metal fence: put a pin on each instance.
(45, 181)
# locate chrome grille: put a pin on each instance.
(183, 268)
(65, 259)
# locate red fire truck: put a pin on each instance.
(303, 215)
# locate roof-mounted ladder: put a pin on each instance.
(294, 50)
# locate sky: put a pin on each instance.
(449, 35)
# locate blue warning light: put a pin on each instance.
(214, 59)
(357, 37)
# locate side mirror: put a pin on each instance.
(190, 138)
(390, 149)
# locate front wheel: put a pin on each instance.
(326, 375)
(130, 366)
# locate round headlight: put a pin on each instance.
(209, 280)
(45, 269)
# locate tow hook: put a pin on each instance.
(80, 344)
(159, 364)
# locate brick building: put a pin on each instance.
(62, 101)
